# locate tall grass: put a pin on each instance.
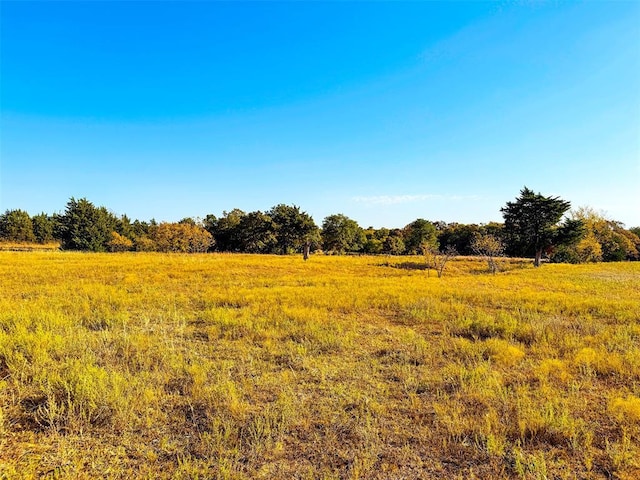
(240, 366)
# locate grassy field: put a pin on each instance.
(236, 366)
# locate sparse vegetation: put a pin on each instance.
(148, 365)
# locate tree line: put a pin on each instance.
(534, 226)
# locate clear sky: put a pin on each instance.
(385, 112)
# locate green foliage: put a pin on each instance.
(86, 227)
(531, 224)
(256, 233)
(532, 227)
(16, 226)
(373, 244)
(420, 234)
(125, 228)
(294, 228)
(603, 240)
(342, 234)
(458, 236)
(393, 245)
(374, 240)
(226, 230)
(44, 228)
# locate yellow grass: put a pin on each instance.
(236, 366)
(28, 246)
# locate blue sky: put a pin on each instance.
(385, 112)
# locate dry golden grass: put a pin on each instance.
(29, 246)
(237, 366)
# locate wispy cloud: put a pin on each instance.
(396, 199)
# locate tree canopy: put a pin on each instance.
(534, 225)
(86, 227)
(531, 224)
(341, 234)
(16, 226)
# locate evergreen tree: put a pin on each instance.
(86, 227)
(43, 227)
(16, 226)
(531, 224)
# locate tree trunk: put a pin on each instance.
(305, 250)
(536, 262)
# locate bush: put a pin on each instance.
(119, 243)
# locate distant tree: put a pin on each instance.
(226, 230)
(632, 245)
(256, 233)
(44, 228)
(372, 245)
(189, 221)
(139, 228)
(119, 243)
(418, 235)
(458, 236)
(58, 226)
(16, 226)
(493, 228)
(604, 240)
(199, 239)
(86, 227)
(125, 228)
(144, 243)
(181, 238)
(341, 234)
(393, 245)
(489, 247)
(587, 250)
(209, 223)
(531, 224)
(293, 228)
(440, 225)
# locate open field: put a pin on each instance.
(237, 366)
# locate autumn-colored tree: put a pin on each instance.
(181, 238)
(119, 243)
(144, 243)
(604, 239)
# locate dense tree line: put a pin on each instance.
(534, 226)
